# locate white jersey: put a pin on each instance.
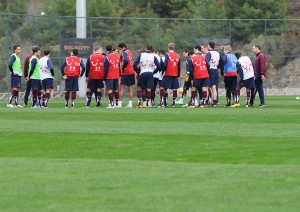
(214, 59)
(44, 69)
(157, 75)
(247, 67)
(147, 63)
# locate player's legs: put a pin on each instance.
(15, 85)
(204, 96)
(121, 94)
(139, 96)
(98, 97)
(111, 98)
(260, 89)
(67, 96)
(248, 96)
(130, 92)
(27, 92)
(88, 97)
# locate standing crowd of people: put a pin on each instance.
(116, 69)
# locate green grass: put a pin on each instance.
(211, 159)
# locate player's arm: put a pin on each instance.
(207, 59)
(240, 70)
(125, 57)
(82, 67)
(106, 66)
(157, 64)
(262, 64)
(33, 65)
(62, 67)
(136, 64)
(87, 70)
(165, 64)
(26, 67)
(190, 68)
(50, 66)
(179, 68)
(11, 61)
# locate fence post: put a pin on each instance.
(265, 34)
(33, 29)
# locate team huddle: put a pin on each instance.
(115, 71)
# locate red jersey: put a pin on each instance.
(129, 67)
(96, 66)
(200, 68)
(173, 63)
(113, 66)
(72, 66)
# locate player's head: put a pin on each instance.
(185, 53)
(108, 48)
(149, 48)
(238, 54)
(197, 49)
(190, 53)
(75, 52)
(161, 53)
(47, 52)
(17, 49)
(256, 48)
(205, 49)
(98, 49)
(115, 50)
(211, 45)
(36, 51)
(171, 46)
(122, 46)
(227, 49)
(140, 51)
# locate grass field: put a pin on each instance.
(211, 159)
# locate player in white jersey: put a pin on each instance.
(144, 65)
(246, 73)
(212, 58)
(47, 76)
(157, 77)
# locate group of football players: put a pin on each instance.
(116, 69)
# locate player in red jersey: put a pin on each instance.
(72, 65)
(127, 74)
(171, 69)
(94, 76)
(111, 76)
(199, 74)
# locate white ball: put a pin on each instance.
(297, 97)
(42, 13)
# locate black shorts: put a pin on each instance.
(200, 83)
(47, 83)
(95, 84)
(72, 84)
(213, 77)
(112, 84)
(127, 80)
(146, 80)
(15, 81)
(248, 83)
(35, 84)
(230, 83)
(170, 82)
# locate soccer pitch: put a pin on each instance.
(211, 159)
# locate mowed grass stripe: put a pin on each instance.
(175, 148)
(114, 185)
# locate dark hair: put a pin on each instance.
(108, 48)
(198, 47)
(35, 49)
(257, 46)
(122, 45)
(46, 52)
(212, 44)
(75, 52)
(238, 54)
(16, 46)
(149, 47)
(190, 53)
(186, 50)
(161, 51)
